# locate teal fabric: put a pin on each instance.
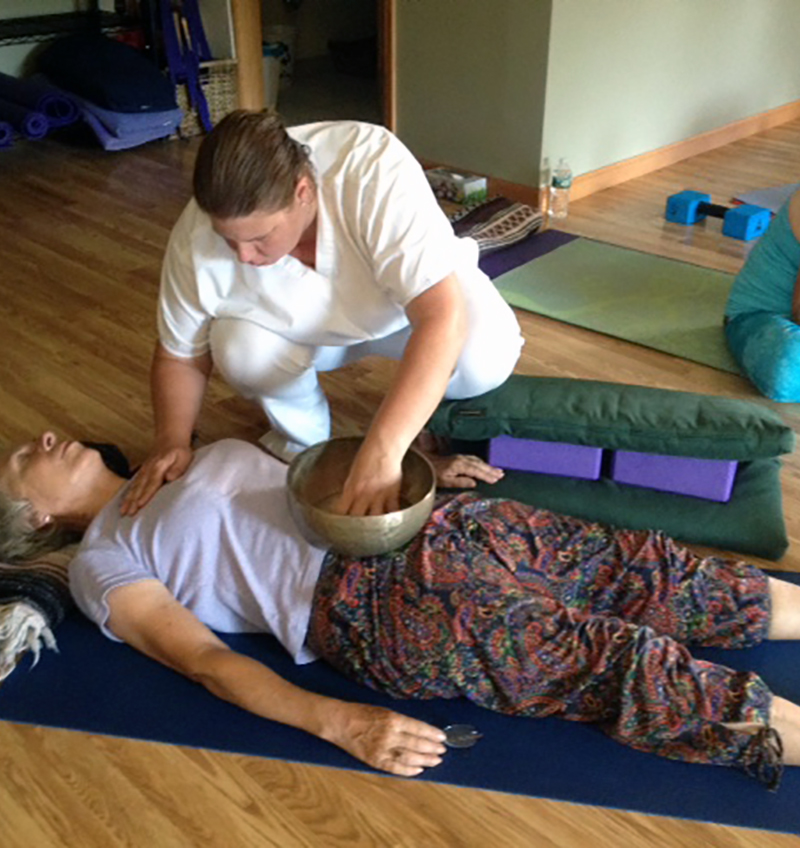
(750, 523)
(617, 417)
(767, 348)
(766, 281)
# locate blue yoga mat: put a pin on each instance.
(6, 135)
(37, 95)
(100, 686)
(32, 125)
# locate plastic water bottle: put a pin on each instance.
(559, 190)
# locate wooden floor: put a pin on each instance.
(81, 237)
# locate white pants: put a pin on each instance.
(281, 375)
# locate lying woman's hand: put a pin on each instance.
(462, 471)
(385, 739)
(162, 466)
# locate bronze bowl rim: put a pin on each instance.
(363, 523)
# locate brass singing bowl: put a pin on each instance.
(316, 477)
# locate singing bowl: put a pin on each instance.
(316, 476)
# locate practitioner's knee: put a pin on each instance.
(487, 359)
(767, 347)
(255, 361)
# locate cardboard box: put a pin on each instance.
(460, 188)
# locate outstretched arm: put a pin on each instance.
(147, 617)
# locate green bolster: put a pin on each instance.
(617, 417)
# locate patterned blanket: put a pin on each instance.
(34, 598)
(496, 223)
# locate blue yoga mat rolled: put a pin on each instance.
(6, 135)
(32, 125)
(39, 96)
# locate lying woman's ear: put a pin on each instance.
(39, 520)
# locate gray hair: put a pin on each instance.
(20, 539)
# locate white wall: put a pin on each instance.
(471, 82)
(498, 85)
(31, 8)
(13, 57)
(629, 76)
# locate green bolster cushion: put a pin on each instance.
(636, 418)
(751, 522)
(617, 417)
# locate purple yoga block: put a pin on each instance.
(559, 458)
(711, 479)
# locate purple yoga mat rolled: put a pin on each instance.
(32, 125)
(6, 135)
(38, 95)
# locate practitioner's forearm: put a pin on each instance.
(439, 330)
(177, 388)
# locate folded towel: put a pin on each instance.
(126, 141)
(123, 124)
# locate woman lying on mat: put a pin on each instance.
(303, 251)
(521, 610)
(763, 310)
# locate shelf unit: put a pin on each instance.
(33, 30)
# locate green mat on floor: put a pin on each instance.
(659, 303)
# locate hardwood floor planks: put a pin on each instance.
(81, 236)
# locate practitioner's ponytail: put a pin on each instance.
(248, 163)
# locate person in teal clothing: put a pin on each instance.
(762, 316)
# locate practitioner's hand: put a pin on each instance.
(372, 486)
(162, 466)
(385, 739)
(462, 471)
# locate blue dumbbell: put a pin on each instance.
(741, 222)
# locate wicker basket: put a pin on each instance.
(218, 81)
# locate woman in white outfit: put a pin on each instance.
(304, 250)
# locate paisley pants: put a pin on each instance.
(531, 613)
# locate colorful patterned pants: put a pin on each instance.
(531, 613)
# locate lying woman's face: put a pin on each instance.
(49, 473)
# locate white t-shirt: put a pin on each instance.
(220, 538)
(382, 239)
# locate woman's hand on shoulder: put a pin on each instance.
(463, 471)
(165, 464)
(384, 739)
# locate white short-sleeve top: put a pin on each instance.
(382, 239)
(221, 538)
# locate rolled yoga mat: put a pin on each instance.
(6, 135)
(30, 124)
(38, 95)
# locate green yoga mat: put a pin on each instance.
(659, 303)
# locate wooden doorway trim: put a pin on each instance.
(387, 24)
(246, 16)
